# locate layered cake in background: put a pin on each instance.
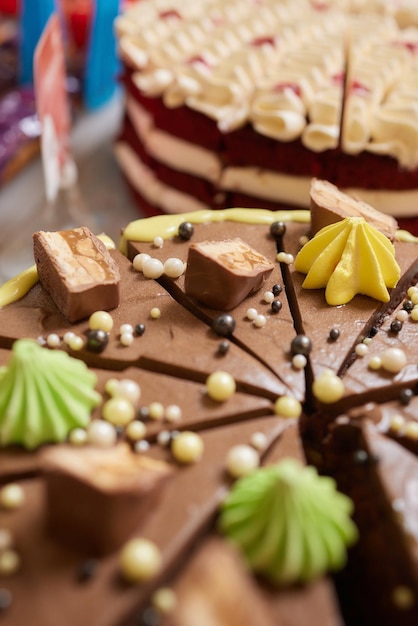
(238, 448)
(232, 103)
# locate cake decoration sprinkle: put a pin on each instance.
(186, 231)
(334, 334)
(126, 339)
(403, 597)
(277, 229)
(397, 423)
(187, 447)
(5, 599)
(361, 349)
(9, 562)
(97, 341)
(402, 315)
(251, 314)
(393, 360)
(375, 363)
(139, 260)
(224, 324)
(414, 314)
(405, 396)
(153, 268)
(101, 320)
(260, 321)
(277, 289)
(301, 344)
(76, 343)
(396, 326)
(328, 388)
(156, 411)
(242, 460)
(276, 306)
(284, 257)
(173, 413)
(408, 305)
(12, 496)
(258, 440)
(288, 406)
(299, 361)
(118, 411)
(220, 386)
(140, 560)
(136, 430)
(268, 297)
(102, 434)
(223, 347)
(411, 431)
(78, 437)
(155, 313)
(53, 340)
(139, 329)
(158, 242)
(164, 600)
(174, 267)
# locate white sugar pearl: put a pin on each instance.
(375, 363)
(12, 496)
(126, 339)
(173, 413)
(173, 267)
(9, 562)
(126, 328)
(139, 260)
(155, 313)
(402, 315)
(268, 297)
(136, 430)
(241, 460)
(187, 447)
(77, 437)
(164, 600)
(101, 434)
(393, 360)
(251, 314)
(140, 560)
(258, 441)
(361, 349)
(53, 340)
(68, 337)
(118, 411)
(299, 361)
(260, 321)
(141, 446)
(128, 389)
(101, 320)
(153, 268)
(282, 257)
(164, 437)
(158, 242)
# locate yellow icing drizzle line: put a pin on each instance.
(17, 287)
(406, 236)
(166, 226)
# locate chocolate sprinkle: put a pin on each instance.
(87, 570)
(223, 324)
(5, 599)
(186, 231)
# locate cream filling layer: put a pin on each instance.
(176, 153)
(252, 181)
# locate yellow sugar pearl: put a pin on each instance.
(287, 406)
(328, 388)
(9, 562)
(152, 268)
(402, 315)
(375, 363)
(397, 423)
(412, 290)
(111, 386)
(393, 360)
(78, 437)
(128, 389)
(164, 600)
(173, 413)
(414, 297)
(242, 460)
(76, 343)
(101, 320)
(140, 560)
(6, 539)
(118, 411)
(156, 411)
(403, 597)
(187, 447)
(136, 430)
(173, 267)
(411, 430)
(12, 496)
(139, 260)
(414, 314)
(220, 386)
(155, 313)
(361, 349)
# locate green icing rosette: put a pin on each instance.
(291, 524)
(44, 394)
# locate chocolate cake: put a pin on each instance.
(171, 460)
(232, 103)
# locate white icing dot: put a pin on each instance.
(153, 268)
(241, 460)
(126, 328)
(251, 314)
(173, 413)
(258, 441)
(101, 434)
(173, 267)
(136, 430)
(361, 349)
(155, 313)
(299, 361)
(393, 360)
(126, 339)
(53, 340)
(139, 260)
(142, 446)
(140, 560)
(12, 496)
(220, 386)
(187, 447)
(402, 315)
(260, 321)
(158, 242)
(268, 297)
